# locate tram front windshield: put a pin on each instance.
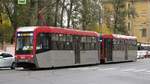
(24, 43)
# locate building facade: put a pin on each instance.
(141, 24)
(138, 24)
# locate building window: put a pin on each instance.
(143, 32)
(129, 26)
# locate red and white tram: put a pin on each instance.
(44, 47)
(118, 48)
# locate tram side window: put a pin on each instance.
(68, 42)
(94, 44)
(129, 45)
(54, 42)
(115, 44)
(118, 44)
(132, 45)
(88, 43)
(83, 43)
(43, 42)
(61, 42)
(122, 44)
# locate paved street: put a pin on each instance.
(121, 73)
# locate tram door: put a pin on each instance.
(126, 50)
(108, 49)
(77, 49)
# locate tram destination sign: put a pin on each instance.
(24, 34)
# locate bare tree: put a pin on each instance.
(62, 12)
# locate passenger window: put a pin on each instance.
(43, 42)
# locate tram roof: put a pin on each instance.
(26, 29)
(118, 36)
(56, 30)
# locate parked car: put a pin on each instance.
(7, 60)
(142, 54)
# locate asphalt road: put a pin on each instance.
(120, 73)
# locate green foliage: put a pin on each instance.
(90, 13)
(6, 31)
(83, 14)
(120, 14)
(93, 27)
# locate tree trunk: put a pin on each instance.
(56, 13)
(62, 13)
(70, 13)
(13, 20)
